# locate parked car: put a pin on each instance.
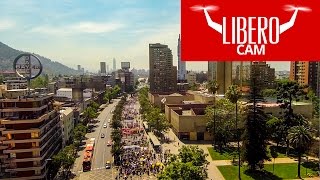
(102, 135)
(108, 165)
(109, 143)
(109, 121)
(105, 125)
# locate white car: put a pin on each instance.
(105, 126)
(109, 121)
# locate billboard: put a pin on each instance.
(125, 65)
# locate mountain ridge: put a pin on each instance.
(8, 54)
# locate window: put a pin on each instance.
(34, 135)
(35, 153)
(37, 172)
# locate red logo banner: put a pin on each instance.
(250, 30)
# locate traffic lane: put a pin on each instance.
(100, 143)
(99, 152)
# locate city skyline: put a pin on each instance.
(85, 33)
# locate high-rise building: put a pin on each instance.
(305, 73)
(103, 70)
(228, 73)
(161, 78)
(182, 70)
(30, 134)
(108, 68)
(114, 64)
(212, 71)
(79, 68)
(265, 74)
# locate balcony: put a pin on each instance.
(40, 129)
(15, 109)
(47, 115)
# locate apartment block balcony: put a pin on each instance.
(16, 109)
(16, 120)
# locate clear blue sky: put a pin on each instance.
(89, 31)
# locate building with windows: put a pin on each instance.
(305, 73)
(103, 70)
(265, 74)
(228, 73)
(191, 78)
(30, 135)
(67, 124)
(182, 70)
(16, 83)
(161, 75)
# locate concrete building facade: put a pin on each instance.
(161, 75)
(182, 69)
(30, 135)
(67, 124)
(191, 78)
(15, 83)
(103, 69)
(265, 74)
(305, 73)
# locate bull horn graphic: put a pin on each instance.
(284, 27)
(213, 25)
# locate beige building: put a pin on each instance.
(191, 78)
(305, 73)
(67, 124)
(30, 135)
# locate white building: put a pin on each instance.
(67, 124)
(16, 83)
(65, 92)
(182, 70)
(191, 78)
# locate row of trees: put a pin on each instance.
(111, 93)
(66, 157)
(116, 134)
(156, 120)
(257, 128)
(189, 164)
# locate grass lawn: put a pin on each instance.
(281, 171)
(227, 153)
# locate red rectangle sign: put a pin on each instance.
(250, 30)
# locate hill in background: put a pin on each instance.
(8, 54)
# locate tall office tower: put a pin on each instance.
(103, 70)
(305, 73)
(108, 69)
(79, 68)
(182, 71)
(161, 77)
(114, 64)
(30, 135)
(228, 73)
(212, 71)
(265, 74)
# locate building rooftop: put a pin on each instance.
(65, 89)
(66, 111)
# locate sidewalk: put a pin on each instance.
(213, 171)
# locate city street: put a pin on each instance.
(101, 152)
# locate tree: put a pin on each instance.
(66, 157)
(193, 154)
(276, 129)
(39, 82)
(115, 91)
(212, 87)
(89, 113)
(157, 121)
(274, 155)
(287, 92)
(189, 164)
(234, 94)
(221, 122)
(254, 148)
(315, 102)
(300, 139)
(107, 96)
(79, 133)
(94, 105)
(269, 92)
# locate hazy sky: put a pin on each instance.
(89, 31)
